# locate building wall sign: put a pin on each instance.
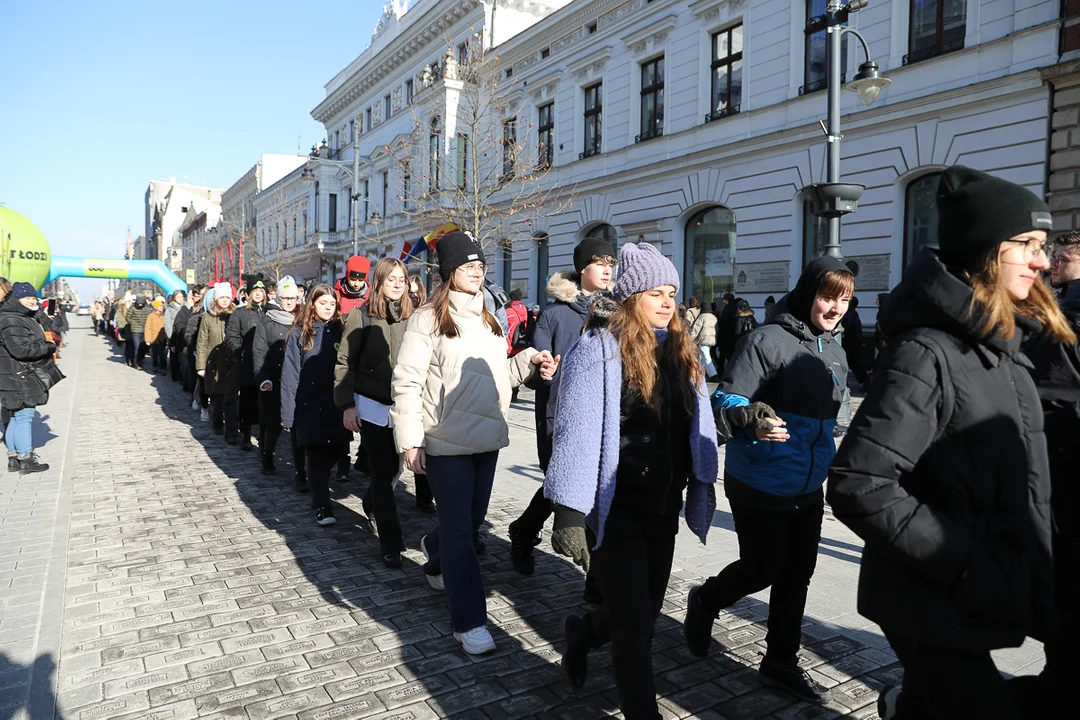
(762, 277)
(873, 271)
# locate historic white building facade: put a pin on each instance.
(692, 124)
(168, 204)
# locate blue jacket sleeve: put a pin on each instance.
(290, 379)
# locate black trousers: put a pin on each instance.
(299, 454)
(192, 376)
(223, 413)
(777, 548)
(945, 683)
(320, 462)
(536, 515)
(423, 490)
(632, 567)
(249, 408)
(384, 464)
(175, 358)
(269, 420)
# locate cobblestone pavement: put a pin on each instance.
(154, 573)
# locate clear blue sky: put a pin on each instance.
(97, 99)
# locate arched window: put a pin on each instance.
(541, 268)
(710, 254)
(920, 215)
(604, 232)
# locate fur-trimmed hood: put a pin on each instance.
(564, 287)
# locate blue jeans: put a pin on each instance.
(20, 434)
(462, 488)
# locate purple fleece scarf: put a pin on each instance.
(585, 457)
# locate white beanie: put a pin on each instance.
(286, 284)
(222, 289)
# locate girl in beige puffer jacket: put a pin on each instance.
(451, 391)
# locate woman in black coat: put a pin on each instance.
(307, 394)
(268, 352)
(239, 337)
(23, 349)
(944, 470)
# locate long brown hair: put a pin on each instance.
(378, 303)
(445, 324)
(641, 353)
(421, 290)
(991, 303)
(304, 324)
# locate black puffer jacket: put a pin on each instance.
(268, 347)
(22, 345)
(944, 474)
(240, 337)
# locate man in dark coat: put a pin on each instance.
(135, 322)
(557, 329)
(239, 336)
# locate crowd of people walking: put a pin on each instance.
(957, 471)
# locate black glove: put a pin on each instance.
(568, 538)
(751, 416)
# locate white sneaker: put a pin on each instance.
(195, 404)
(434, 581)
(476, 641)
(205, 416)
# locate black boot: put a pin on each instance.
(521, 549)
(245, 439)
(793, 679)
(267, 464)
(31, 464)
(13, 463)
(697, 627)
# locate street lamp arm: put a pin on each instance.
(844, 30)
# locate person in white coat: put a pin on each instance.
(451, 391)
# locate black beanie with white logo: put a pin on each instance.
(456, 249)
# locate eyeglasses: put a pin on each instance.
(1062, 259)
(288, 297)
(1033, 248)
(474, 268)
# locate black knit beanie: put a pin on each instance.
(456, 249)
(977, 212)
(589, 248)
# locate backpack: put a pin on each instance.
(520, 338)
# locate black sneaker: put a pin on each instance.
(887, 701)
(13, 463)
(697, 627)
(575, 658)
(301, 483)
(325, 515)
(268, 464)
(478, 544)
(392, 560)
(31, 464)
(521, 549)
(793, 680)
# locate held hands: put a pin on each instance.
(568, 538)
(416, 461)
(762, 418)
(266, 386)
(351, 420)
(202, 373)
(548, 364)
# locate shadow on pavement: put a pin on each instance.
(17, 697)
(342, 606)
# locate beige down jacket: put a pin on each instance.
(451, 394)
(702, 327)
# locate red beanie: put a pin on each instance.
(357, 267)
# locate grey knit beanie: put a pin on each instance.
(642, 267)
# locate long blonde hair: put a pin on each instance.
(641, 353)
(445, 324)
(992, 304)
(378, 304)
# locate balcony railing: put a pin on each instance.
(722, 113)
(933, 52)
(649, 134)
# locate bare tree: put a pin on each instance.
(472, 157)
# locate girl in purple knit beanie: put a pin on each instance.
(633, 429)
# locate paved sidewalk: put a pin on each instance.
(154, 573)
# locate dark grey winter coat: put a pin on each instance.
(239, 337)
(944, 474)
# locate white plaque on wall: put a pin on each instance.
(762, 277)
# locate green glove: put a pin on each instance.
(568, 538)
(751, 416)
